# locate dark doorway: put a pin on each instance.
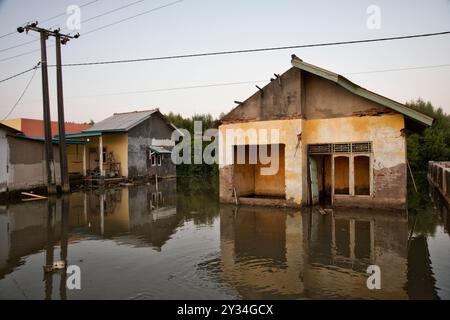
(323, 164)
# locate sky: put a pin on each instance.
(195, 26)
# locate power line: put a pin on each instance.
(83, 21)
(20, 73)
(113, 10)
(99, 28)
(23, 93)
(399, 69)
(210, 85)
(50, 18)
(217, 53)
(134, 16)
(242, 82)
(235, 83)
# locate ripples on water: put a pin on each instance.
(179, 243)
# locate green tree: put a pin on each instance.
(432, 144)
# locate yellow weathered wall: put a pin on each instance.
(271, 185)
(13, 123)
(288, 131)
(75, 158)
(388, 154)
(389, 146)
(116, 143)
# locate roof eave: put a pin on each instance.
(355, 89)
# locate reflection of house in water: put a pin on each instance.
(271, 253)
(23, 231)
(127, 216)
(141, 216)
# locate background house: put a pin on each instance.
(131, 144)
(338, 143)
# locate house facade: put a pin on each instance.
(22, 161)
(337, 143)
(133, 144)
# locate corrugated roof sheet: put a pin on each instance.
(121, 121)
(159, 149)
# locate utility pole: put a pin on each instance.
(50, 166)
(65, 186)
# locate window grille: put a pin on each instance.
(349, 147)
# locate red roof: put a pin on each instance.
(35, 128)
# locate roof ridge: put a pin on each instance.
(136, 111)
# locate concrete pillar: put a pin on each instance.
(102, 213)
(84, 161)
(100, 157)
(85, 207)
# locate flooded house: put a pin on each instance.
(22, 161)
(131, 145)
(337, 143)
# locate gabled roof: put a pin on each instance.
(355, 89)
(121, 122)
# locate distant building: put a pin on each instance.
(35, 127)
(132, 144)
(337, 142)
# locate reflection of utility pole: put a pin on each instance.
(49, 255)
(65, 206)
(60, 39)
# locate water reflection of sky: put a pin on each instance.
(175, 241)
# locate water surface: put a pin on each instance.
(174, 241)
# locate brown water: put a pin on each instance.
(177, 242)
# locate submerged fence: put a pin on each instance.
(439, 176)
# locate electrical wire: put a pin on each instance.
(20, 73)
(97, 29)
(217, 53)
(83, 21)
(50, 18)
(23, 93)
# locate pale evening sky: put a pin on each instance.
(193, 26)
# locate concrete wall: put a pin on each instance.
(117, 143)
(288, 131)
(75, 158)
(325, 99)
(139, 140)
(27, 168)
(388, 155)
(166, 169)
(285, 93)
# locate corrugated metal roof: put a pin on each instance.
(121, 121)
(159, 149)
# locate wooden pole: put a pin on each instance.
(412, 177)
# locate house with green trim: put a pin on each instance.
(337, 143)
(126, 145)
